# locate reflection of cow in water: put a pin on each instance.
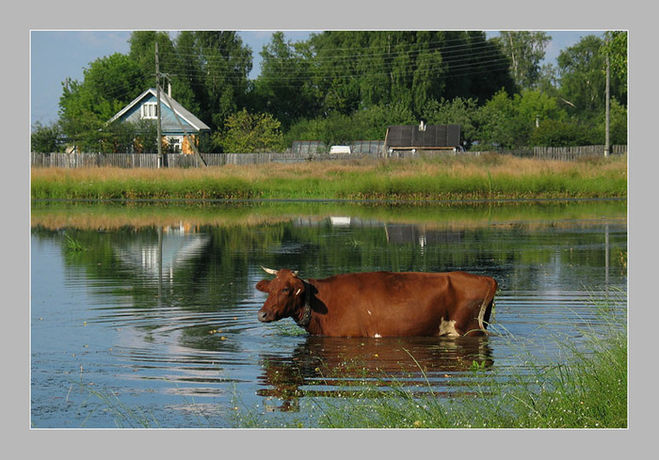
(338, 363)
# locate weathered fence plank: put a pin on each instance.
(173, 160)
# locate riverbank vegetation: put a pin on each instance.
(590, 392)
(56, 215)
(484, 177)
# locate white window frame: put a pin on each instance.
(149, 111)
(179, 142)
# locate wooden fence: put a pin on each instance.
(564, 153)
(175, 160)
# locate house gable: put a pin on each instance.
(144, 106)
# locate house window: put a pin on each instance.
(174, 144)
(150, 110)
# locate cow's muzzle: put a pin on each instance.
(264, 316)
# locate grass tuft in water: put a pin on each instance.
(71, 244)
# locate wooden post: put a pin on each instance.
(159, 128)
(607, 145)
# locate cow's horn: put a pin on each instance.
(295, 273)
(269, 270)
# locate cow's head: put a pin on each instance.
(286, 295)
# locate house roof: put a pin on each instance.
(175, 106)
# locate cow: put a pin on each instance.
(381, 304)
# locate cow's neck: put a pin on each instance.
(304, 316)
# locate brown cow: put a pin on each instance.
(381, 304)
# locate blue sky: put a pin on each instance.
(57, 55)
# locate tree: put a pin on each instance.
(616, 47)
(495, 119)
(357, 69)
(284, 87)
(173, 65)
(109, 83)
(511, 122)
(526, 50)
(207, 69)
(561, 133)
(244, 133)
(582, 77)
(369, 123)
(46, 138)
(463, 112)
(222, 63)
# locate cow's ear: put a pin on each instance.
(263, 285)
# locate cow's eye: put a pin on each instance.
(286, 290)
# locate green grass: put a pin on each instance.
(589, 391)
(71, 244)
(420, 179)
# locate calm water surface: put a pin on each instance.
(156, 326)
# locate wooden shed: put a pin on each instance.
(422, 137)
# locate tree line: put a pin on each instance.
(341, 86)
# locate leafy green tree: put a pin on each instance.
(223, 62)
(533, 105)
(207, 69)
(245, 133)
(561, 133)
(616, 47)
(526, 50)
(582, 77)
(366, 124)
(46, 138)
(145, 136)
(548, 81)
(495, 119)
(463, 112)
(358, 69)
(511, 122)
(109, 83)
(371, 123)
(618, 126)
(284, 86)
(172, 64)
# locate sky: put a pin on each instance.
(57, 55)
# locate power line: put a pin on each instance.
(482, 50)
(311, 66)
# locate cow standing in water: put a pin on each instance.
(381, 304)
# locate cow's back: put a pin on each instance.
(397, 304)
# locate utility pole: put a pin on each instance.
(159, 128)
(191, 141)
(607, 143)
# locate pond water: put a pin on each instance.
(151, 321)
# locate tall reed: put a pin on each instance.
(493, 177)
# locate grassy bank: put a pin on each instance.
(83, 215)
(445, 178)
(589, 392)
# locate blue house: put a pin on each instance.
(179, 127)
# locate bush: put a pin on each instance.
(46, 138)
(245, 133)
(556, 133)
